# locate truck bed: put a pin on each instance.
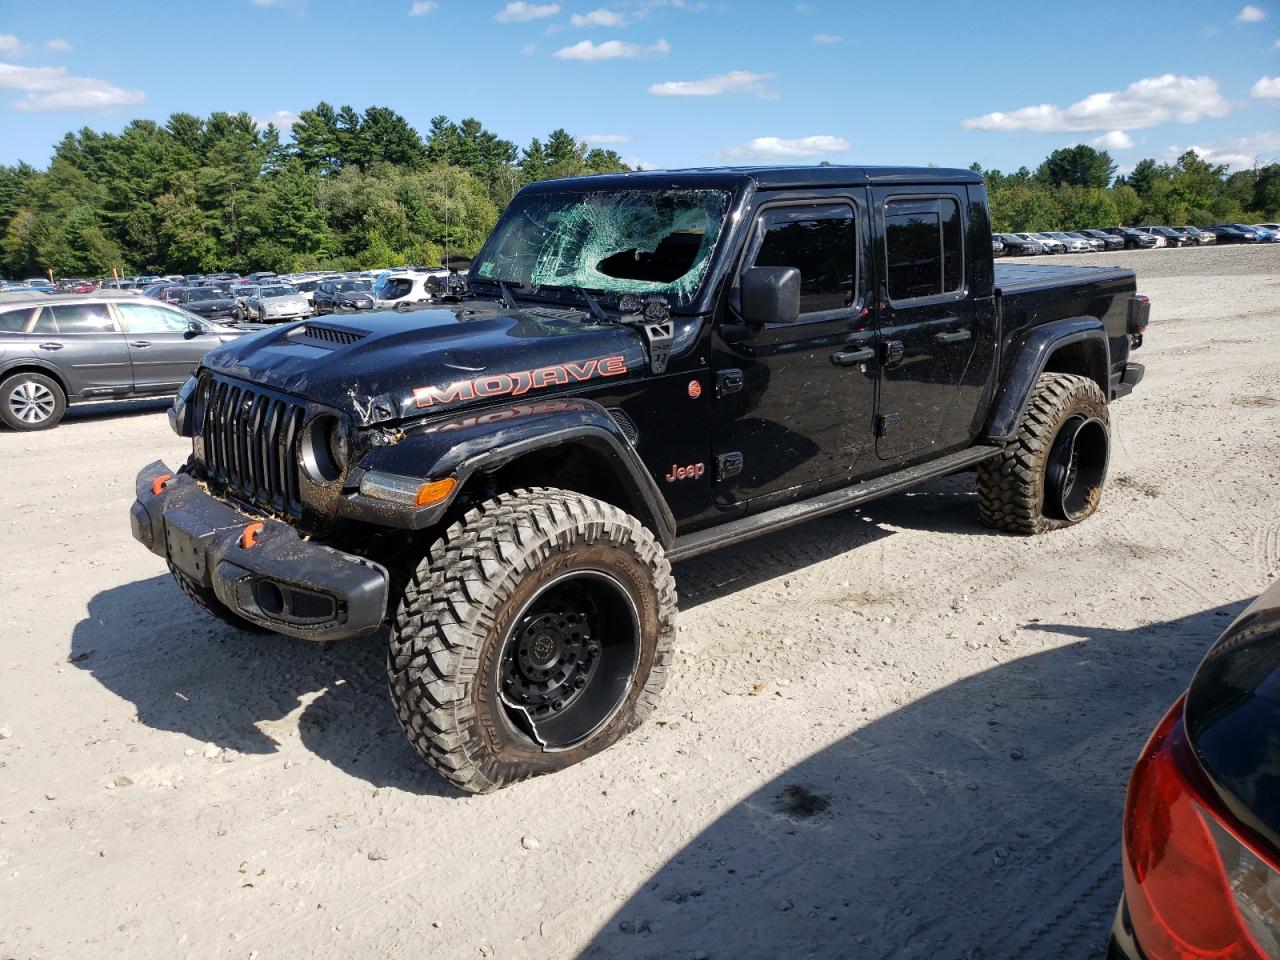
(1017, 278)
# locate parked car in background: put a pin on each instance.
(1135, 239)
(168, 292)
(1265, 234)
(208, 302)
(997, 246)
(406, 288)
(1201, 844)
(1201, 237)
(69, 348)
(1231, 233)
(1110, 241)
(333, 295)
(1016, 246)
(276, 303)
(1096, 245)
(1049, 244)
(1070, 243)
(242, 293)
(1172, 238)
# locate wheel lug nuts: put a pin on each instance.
(580, 682)
(557, 704)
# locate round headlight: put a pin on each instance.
(326, 449)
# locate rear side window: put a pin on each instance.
(14, 321)
(395, 289)
(75, 318)
(819, 242)
(923, 248)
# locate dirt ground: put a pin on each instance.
(890, 733)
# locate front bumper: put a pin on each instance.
(274, 579)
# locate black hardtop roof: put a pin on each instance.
(767, 178)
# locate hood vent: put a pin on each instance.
(335, 336)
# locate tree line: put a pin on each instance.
(223, 193)
(352, 189)
(1077, 187)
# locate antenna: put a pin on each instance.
(446, 217)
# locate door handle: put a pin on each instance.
(139, 343)
(894, 351)
(50, 346)
(851, 358)
(954, 336)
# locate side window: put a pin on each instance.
(923, 248)
(143, 318)
(820, 242)
(14, 321)
(78, 318)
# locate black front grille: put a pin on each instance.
(316, 331)
(250, 443)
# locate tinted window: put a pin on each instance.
(13, 321)
(78, 318)
(923, 248)
(820, 243)
(191, 296)
(395, 289)
(141, 318)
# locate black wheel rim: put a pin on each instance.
(1076, 468)
(570, 658)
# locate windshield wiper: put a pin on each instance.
(592, 304)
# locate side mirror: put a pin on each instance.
(770, 295)
(195, 327)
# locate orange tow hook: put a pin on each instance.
(158, 483)
(249, 538)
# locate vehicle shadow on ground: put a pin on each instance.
(981, 821)
(188, 673)
(947, 505)
(100, 410)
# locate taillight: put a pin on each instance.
(1139, 313)
(1194, 889)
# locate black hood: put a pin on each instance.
(385, 366)
(209, 306)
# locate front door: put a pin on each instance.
(162, 346)
(795, 401)
(929, 324)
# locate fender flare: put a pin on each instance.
(21, 363)
(1031, 354)
(475, 442)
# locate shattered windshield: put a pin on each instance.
(656, 242)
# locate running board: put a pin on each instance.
(788, 515)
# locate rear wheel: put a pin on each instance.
(536, 632)
(1051, 475)
(31, 401)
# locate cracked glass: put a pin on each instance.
(646, 242)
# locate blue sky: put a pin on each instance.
(677, 82)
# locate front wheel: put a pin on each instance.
(537, 632)
(1051, 475)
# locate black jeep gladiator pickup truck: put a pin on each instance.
(643, 367)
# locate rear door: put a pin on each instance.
(83, 341)
(931, 326)
(163, 350)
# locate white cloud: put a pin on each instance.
(52, 88)
(11, 46)
(611, 50)
(528, 49)
(827, 38)
(1267, 88)
(598, 139)
(802, 148)
(57, 45)
(1251, 14)
(735, 81)
(1240, 153)
(283, 119)
(421, 8)
(1115, 140)
(1146, 103)
(804, 8)
(598, 18)
(520, 12)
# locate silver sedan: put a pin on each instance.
(277, 303)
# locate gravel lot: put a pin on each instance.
(891, 733)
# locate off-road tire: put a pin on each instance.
(208, 601)
(462, 602)
(48, 390)
(1011, 486)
